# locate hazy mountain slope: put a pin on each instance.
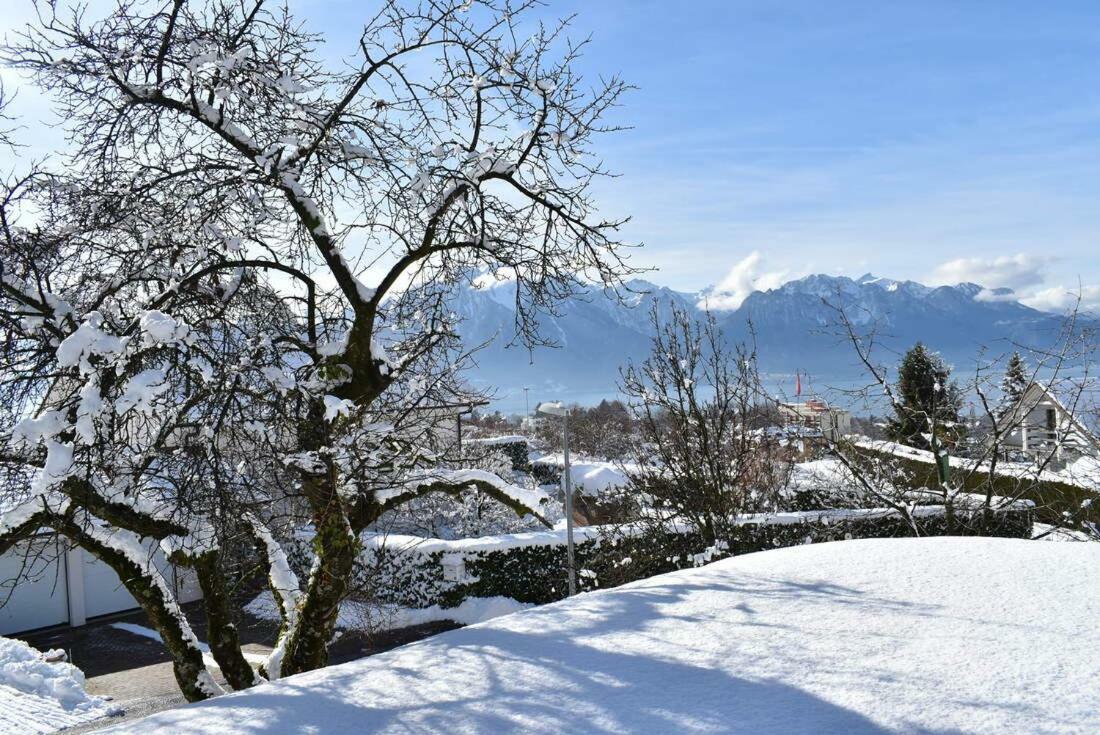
(792, 325)
(796, 328)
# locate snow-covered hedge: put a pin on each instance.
(513, 447)
(530, 567)
(1056, 495)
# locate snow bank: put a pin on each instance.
(1083, 472)
(1047, 532)
(41, 696)
(592, 476)
(419, 545)
(961, 635)
(509, 439)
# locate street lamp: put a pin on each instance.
(556, 408)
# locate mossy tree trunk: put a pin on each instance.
(221, 628)
(336, 547)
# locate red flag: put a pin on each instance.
(797, 383)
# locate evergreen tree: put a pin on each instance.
(926, 396)
(1015, 383)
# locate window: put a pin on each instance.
(1052, 420)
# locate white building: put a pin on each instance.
(46, 582)
(1043, 427)
(816, 417)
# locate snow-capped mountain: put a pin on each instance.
(794, 325)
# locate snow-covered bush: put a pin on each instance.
(531, 567)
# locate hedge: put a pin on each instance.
(1055, 501)
(531, 567)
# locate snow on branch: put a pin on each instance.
(523, 501)
(285, 588)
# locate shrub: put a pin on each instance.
(531, 567)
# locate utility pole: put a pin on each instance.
(558, 409)
(568, 507)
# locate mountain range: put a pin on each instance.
(794, 326)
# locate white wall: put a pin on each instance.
(40, 600)
(69, 585)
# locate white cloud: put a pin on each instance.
(987, 294)
(744, 278)
(1063, 298)
(1018, 272)
(1020, 277)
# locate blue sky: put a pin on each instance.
(860, 136)
(938, 141)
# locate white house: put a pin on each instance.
(46, 582)
(1044, 427)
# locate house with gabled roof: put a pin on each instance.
(1044, 427)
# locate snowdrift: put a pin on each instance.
(970, 635)
(40, 693)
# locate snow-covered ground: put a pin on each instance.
(364, 616)
(42, 696)
(960, 635)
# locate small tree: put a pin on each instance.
(928, 404)
(698, 459)
(1016, 382)
(604, 431)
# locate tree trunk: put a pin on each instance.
(950, 519)
(337, 547)
(221, 630)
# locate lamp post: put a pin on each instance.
(556, 408)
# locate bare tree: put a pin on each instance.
(605, 430)
(238, 289)
(973, 480)
(700, 459)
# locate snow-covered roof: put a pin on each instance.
(873, 636)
